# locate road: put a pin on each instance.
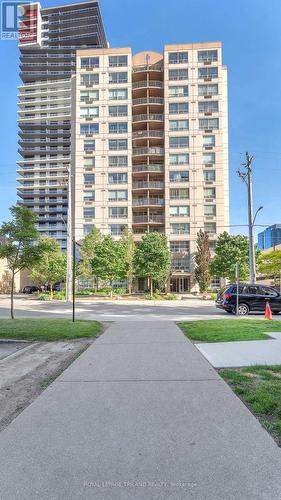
(112, 310)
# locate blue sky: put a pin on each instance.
(251, 36)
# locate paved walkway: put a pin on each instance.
(140, 415)
(244, 353)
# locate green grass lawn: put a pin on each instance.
(226, 330)
(259, 387)
(48, 329)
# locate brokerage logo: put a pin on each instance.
(18, 21)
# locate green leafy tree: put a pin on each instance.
(202, 261)
(87, 252)
(109, 261)
(270, 264)
(129, 249)
(152, 259)
(20, 246)
(52, 266)
(229, 250)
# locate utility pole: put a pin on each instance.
(69, 239)
(247, 178)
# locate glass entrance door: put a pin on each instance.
(180, 284)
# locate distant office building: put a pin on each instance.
(270, 237)
(150, 147)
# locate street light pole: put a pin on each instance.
(69, 283)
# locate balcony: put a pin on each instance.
(148, 83)
(148, 185)
(140, 202)
(148, 219)
(148, 151)
(159, 117)
(148, 134)
(148, 168)
(148, 100)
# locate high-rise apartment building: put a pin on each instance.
(48, 39)
(150, 146)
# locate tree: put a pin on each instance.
(229, 250)
(270, 264)
(52, 266)
(202, 261)
(152, 259)
(109, 260)
(129, 250)
(87, 252)
(20, 246)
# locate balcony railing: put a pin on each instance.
(151, 117)
(138, 219)
(148, 151)
(148, 83)
(148, 168)
(142, 134)
(139, 202)
(148, 67)
(148, 100)
(148, 185)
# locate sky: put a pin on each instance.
(251, 36)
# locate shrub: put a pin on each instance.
(59, 295)
(170, 296)
(43, 296)
(119, 291)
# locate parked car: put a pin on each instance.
(30, 289)
(251, 298)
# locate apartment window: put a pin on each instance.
(117, 229)
(118, 94)
(178, 74)
(89, 62)
(208, 89)
(180, 228)
(209, 209)
(208, 72)
(117, 144)
(210, 227)
(207, 55)
(178, 91)
(89, 128)
(118, 212)
(89, 145)
(179, 246)
(179, 176)
(88, 212)
(209, 175)
(209, 193)
(89, 162)
(121, 110)
(118, 178)
(181, 159)
(209, 158)
(179, 194)
(89, 196)
(115, 61)
(90, 79)
(118, 161)
(88, 112)
(208, 123)
(118, 195)
(181, 264)
(178, 142)
(89, 95)
(89, 179)
(178, 57)
(177, 125)
(118, 77)
(177, 108)
(87, 228)
(179, 211)
(118, 128)
(209, 140)
(208, 106)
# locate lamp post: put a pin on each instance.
(74, 243)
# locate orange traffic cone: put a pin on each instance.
(268, 314)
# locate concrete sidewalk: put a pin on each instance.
(140, 415)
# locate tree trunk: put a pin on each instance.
(51, 291)
(151, 286)
(130, 286)
(111, 293)
(12, 295)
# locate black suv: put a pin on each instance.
(251, 298)
(30, 289)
